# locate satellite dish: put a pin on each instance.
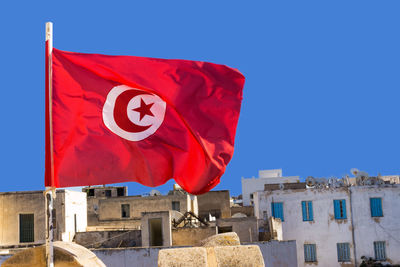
(354, 171)
(155, 192)
(310, 181)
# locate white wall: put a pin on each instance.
(368, 229)
(326, 232)
(75, 203)
(251, 185)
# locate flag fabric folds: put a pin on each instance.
(124, 118)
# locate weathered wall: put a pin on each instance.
(214, 200)
(33, 202)
(191, 236)
(251, 185)
(75, 215)
(126, 257)
(166, 227)
(282, 254)
(278, 253)
(368, 229)
(247, 210)
(109, 239)
(108, 213)
(246, 228)
(324, 231)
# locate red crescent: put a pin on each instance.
(120, 111)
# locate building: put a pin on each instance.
(23, 220)
(214, 203)
(335, 222)
(251, 185)
(109, 208)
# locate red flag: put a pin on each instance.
(123, 118)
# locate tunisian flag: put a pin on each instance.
(124, 118)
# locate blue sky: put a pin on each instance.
(322, 77)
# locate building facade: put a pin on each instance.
(251, 185)
(23, 220)
(110, 210)
(336, 225)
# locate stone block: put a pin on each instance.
(239, 256)
(179, 257)
(225, 239)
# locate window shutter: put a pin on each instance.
(310, 211)
(344, 208)
(304, 208)
(336, 207)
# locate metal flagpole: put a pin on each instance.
(50, 192)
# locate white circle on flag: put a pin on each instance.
(133, 114)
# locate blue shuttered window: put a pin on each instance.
(343, 252)
(307, 209)
(277, 210)
(310, 254)
(340, 209)
(380, 250)
(376, 207)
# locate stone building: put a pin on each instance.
(335, 222)
(23, 220)
(214, 203)
(109, 208)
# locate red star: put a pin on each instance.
(144, 109)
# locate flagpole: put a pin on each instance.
(50, 192)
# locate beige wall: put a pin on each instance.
(246, 228)
(214, 200)
(108, 214)
(191, 236)
(33, 202)
(165, 217)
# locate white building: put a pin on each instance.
(335, 225)
(251, 185)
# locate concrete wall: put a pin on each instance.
(75, 214)
(246, 228)
(247, 210)
(325, 231)
(191, 236)
(66, 204)
(282, 254)
(368, 229)
(278, 253)
(166, 227)
(109, 239)
(106, 212)
(214, 200)
(251, 185)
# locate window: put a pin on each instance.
(277, 210)
(224, 229)
(26, 228)
(120, 191)
(340, 209)
(307, 210)
(376, 207)
(310, 254)
(343, 252)
(176, 205)
(90, 192)
(108, 193)
(125, 210)
(380, 250)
